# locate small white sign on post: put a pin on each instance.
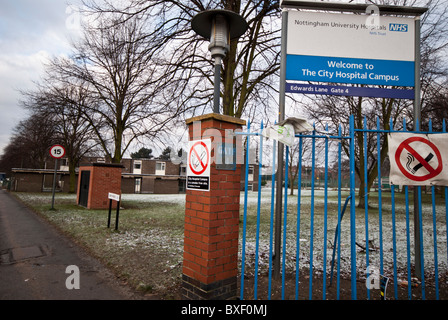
(114, 196)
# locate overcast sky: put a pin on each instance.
(31, 31)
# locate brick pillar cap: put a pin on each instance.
(217, 116)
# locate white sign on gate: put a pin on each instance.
(418, 159)
(198, 165)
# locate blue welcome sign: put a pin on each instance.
(350, 70)
(334, 48)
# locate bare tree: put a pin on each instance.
(337, 110)
(250, 68)
(30, 143)
(113, 60)
(64, 105)
(296, 156)
(437, 108)
(434, 68)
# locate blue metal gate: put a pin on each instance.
(330, 247)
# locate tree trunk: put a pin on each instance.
(73, 182)
(362, 195)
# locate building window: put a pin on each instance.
(160, 168)
(137, 167)
(138, 185)
(64, 165)
(250, 175)
(182, 185)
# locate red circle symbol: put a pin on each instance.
(196, 156)
(57, 151)
(423, 162)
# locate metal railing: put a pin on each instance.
(333, 248)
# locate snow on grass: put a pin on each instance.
(168, 198)
(164, 240)
(252, 197)
(392, 252)
(149, 238)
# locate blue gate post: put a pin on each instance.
(243, 251)
(271, 229)
(324, 285)
(299, 194)
(446, 202)
(352, 207)
(434, 232)
(257, 242)
(285, 220)
(366, 199)
(339, 215)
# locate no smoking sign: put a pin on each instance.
(198, 166)
(418, 159)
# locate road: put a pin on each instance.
(34, 258)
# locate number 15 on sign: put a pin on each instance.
(57, 151)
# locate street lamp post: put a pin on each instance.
(219, 26)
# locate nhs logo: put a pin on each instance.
(399, 27)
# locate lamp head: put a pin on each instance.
(219, 37)
(219, 26)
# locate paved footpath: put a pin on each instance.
(34, 258)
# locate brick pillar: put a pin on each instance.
(210, 265)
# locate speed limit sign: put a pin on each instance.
(57, 151)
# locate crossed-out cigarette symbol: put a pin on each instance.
(413, 155)
(199, 158)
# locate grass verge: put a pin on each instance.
(145, 251)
